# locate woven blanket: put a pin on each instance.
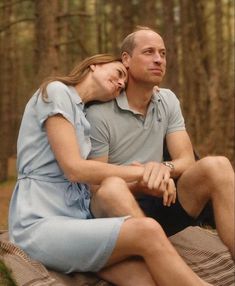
(201, 249)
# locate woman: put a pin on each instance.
(50, 216)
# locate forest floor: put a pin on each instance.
(6, 190)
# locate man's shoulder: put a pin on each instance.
(166, 92)
(166, 95)
(98, 106)
(100, 109)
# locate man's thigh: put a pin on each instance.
(193, 188)
(174, 218)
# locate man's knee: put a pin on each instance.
(113, 192)
(111, 182)
(215, 168)
(112, 187)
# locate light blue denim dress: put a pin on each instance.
(49, 216)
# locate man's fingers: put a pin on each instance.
(150, 173)
(165, 198)
(171, 190)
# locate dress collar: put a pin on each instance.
(75, 95)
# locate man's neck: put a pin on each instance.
(139, 97)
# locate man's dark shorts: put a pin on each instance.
(174, 218)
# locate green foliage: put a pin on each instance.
(5, 276)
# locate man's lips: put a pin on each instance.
(156, 70)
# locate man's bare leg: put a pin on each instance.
(211, 178)
(113, 198)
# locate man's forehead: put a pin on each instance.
(147, 36)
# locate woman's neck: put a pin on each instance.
(86, 90)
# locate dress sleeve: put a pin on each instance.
(99, 132)
(58, 102)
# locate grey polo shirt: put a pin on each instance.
(125, 136)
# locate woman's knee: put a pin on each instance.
(148, 232)
(139, 237)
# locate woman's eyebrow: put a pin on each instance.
(123, 72)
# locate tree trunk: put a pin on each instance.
(6, 68)
(46, 33)
(170, 39)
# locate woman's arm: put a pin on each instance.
(62, 138)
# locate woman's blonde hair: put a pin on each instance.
(79, 72)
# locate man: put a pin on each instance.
(133, 127)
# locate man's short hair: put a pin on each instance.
(128, 44)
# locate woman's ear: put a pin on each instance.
(125, 59)
(92, 67)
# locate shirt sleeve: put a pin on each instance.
(58, 102)
(99, 133)
(175, 119)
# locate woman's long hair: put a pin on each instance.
(79, 72)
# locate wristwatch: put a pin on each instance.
(169, 164)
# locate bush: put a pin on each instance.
(5, 276)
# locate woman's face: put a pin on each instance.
(110, 79)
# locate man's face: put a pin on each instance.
(147, 64)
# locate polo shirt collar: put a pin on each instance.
(155, 97)
(122, 101)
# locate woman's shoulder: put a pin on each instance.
(57, 91)
(56, 85)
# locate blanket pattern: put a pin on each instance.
(201, 249)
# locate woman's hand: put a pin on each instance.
(156, 181)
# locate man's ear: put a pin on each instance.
(92, 67)
(125, 59)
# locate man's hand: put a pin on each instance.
(157, 182)
(156, 176)
(169, 196)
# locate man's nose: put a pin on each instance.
(157, 58)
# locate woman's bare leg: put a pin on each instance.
(144, 237)
(139, 236)
(130, 272)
